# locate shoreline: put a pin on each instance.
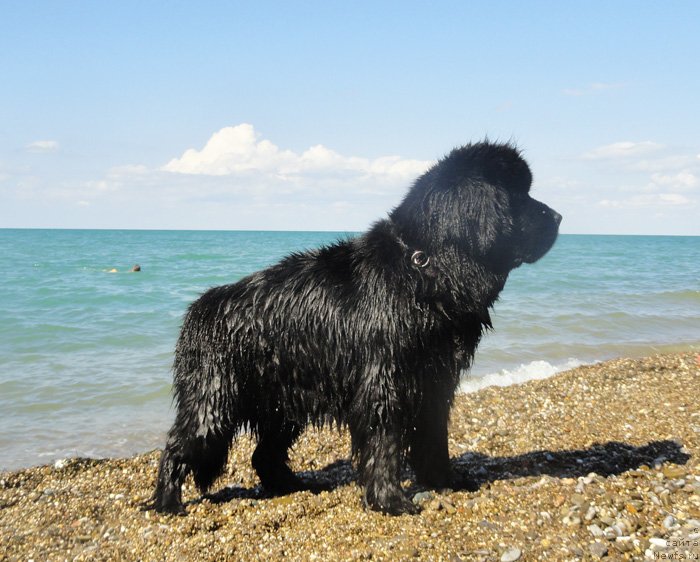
(598, 461)
(151, 431)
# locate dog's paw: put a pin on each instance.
(394, 504)
(284, 483)
(176, 509)
(172, 508)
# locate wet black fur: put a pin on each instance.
(370, 332)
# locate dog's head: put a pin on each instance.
(476, 201)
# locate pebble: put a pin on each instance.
(421, 497)
(590, 513)
(598, 549)
(612, 532)
(669, 522)
(577, 499)
(590, 477)
(511, 555)
(673, 471)
(623, 544)
(448, 506)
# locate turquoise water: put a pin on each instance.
(85, 354)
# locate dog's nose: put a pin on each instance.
(557, 217)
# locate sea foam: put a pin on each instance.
(525, 372)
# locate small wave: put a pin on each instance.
(506, 377)
(683, 296)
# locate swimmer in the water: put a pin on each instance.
(135, 268)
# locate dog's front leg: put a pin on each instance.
(428, 453)
(379, 452)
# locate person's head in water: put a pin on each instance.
(137, 267)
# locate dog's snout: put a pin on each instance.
(557, 217)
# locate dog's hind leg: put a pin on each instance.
(271, 455)
(210, 458)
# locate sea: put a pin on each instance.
(86, 345)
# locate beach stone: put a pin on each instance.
(511, 555)
(421, 497)
(673, 471)
(598, 549)
(433, 505)
(590, 513)
(589, 478)
(484, 524)
(623, 544)
(669, 522)
(578, 499)
(612, 533)
(447, 506)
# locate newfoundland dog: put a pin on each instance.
(370, 332)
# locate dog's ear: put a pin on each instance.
(487, 222)
(485, 219)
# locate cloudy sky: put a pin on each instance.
(318, 115)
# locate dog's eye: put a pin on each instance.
(420, 259)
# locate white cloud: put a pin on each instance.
(239, 150)
(238, 179)
(43, 146)
(648, 200)
(620, 150)
(646, 175)
(658, 163)
(682, 181)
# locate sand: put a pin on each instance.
(597, 462)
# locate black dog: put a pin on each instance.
(371, 332)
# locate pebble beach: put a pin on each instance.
(600, 462)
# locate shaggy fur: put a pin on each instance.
(371, 332)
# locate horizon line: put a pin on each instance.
(352, 231)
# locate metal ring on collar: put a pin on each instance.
(420, 259)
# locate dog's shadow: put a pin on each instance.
(473, 470)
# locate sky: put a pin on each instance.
(319, 115)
